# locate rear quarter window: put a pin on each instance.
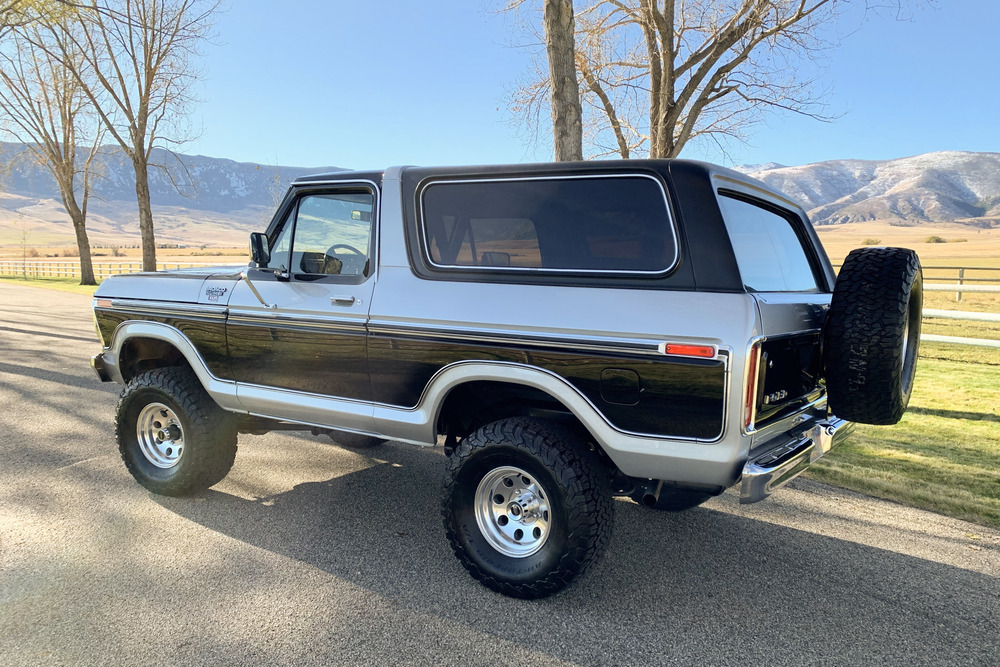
(599, 224)
(768, 249)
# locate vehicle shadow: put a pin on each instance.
(700, 583)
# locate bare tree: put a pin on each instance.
(21, 13)
(42, 104)
(656, 74)
(567, 126)
(142, 53)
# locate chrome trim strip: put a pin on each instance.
(166, 308)
(443, 179)
(644, 346)
(582, 343)
(277, 320)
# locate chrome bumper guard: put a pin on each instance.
(773, 469)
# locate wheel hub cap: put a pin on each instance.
(512, 512)
(160, 436)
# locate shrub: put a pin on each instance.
(934, 239)
(70, 252)
(871, 242)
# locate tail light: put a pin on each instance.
(750, 398)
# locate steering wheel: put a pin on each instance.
(353, 261)
(332, 250)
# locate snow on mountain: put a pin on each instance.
(201, 200)
(934, 187)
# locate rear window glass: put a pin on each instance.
(768, 251)
(598, 224)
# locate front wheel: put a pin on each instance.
(525, 507)
(174, 439)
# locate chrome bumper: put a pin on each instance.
(771, 470)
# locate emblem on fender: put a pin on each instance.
(213, 293)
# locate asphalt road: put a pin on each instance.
(310, 554)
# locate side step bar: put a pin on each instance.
(773, 469)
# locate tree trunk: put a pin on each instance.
(567, 125)
(145, 215)
(83, 245)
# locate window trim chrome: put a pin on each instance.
(425, 240)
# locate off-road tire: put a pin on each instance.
(208, 432)
(576, 492)
(872, 335)
(672, 500)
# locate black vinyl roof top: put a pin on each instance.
(374, 176)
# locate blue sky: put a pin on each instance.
(377, 83)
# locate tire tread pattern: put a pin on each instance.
(209, 432)
(587, 494)
(866, 376)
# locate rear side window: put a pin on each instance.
(768, 251)
(617, 224)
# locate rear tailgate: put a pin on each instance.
(790, 370)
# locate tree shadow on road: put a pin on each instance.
(701, 583)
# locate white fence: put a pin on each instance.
(33, 269)
(71, 269)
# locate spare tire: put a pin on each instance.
(872, 335)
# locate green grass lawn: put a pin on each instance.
(62, 284)
(944, 455)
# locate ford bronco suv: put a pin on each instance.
(660, 329)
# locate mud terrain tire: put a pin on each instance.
(872, 335)
(174, 439)
(501, 475)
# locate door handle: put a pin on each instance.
(343, 300)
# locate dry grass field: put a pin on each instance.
(945, 453)
(962, 245)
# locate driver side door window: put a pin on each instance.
(326, 235)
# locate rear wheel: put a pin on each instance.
(872, 335)
(525, 507)
(174, 439)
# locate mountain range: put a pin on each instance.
(947, 186)
(216, 202)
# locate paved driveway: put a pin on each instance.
(310, 554)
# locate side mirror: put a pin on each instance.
(259, 254)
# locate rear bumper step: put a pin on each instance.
(771, 470)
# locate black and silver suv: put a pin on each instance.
(567, 332)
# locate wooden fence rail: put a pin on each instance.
(102, 270)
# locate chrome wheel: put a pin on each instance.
(512, 511)
(160, 436)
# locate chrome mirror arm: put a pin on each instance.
(246, 277)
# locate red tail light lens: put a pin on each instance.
(751, 386)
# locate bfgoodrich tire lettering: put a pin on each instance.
(872, 335)
(173, 438)
(559, 517)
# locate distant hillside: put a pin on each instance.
(935, 187)
(214, 202)
(218, 202)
